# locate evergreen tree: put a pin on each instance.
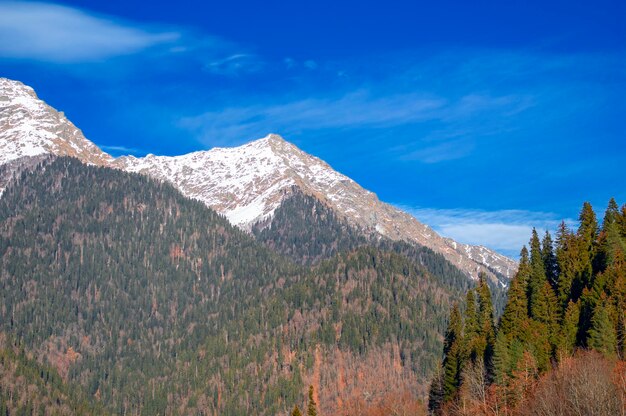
(537, 274)
(587, 235)
(569, 329)
(566, 255)
(453, 350)
(610, 242)
(486, 324)
(549, 260)
(311, 407)
(435, 393)
(296, 411)
(516, 310)
(471, 325)
(602, 336)
(454, 332)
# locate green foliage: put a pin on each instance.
(153, 304)
(575, 298)
(602, 336)
(307, 231)
(549, 260)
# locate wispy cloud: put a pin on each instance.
(448, 150)
(54, 33)
(121, 150)
(358, 109)
(234, 65)
(505, 230)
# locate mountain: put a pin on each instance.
(246, 184)
(152, 303)
(30, 127)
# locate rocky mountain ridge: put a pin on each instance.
(246, 183)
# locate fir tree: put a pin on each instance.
(549, 260)
(610, 243)
(602, 336)
(296, 411)
(471, 325)
(587, 235)
(453, 334)
(566, 253)
(537, 274)
(569, 329)
(311, 407)
(485, 320)
(516, 310)
(453, 350)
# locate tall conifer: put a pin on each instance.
(549, 260)
(311, 407)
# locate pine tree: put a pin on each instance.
(454, 332)
(549, 260)
(602, 336)
(610, 242)
(516, 309)
(453, 350)
(566, 252)
(296, 411)
(435, 393)
(537, 274)
(471, 325)
(486, 324)
(569, 329)
(587, 235)
(311, 407)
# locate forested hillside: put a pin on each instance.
(153, 304)
(307, 231)
(568, 297)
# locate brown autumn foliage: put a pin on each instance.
(391, 404)
(585, 384)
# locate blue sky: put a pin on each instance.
(482, 118)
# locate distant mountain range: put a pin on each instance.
(246, 184)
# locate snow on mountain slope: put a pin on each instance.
(249, 182)
(30, 127)
(246, 183)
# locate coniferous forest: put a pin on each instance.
(120, 296)
(560, 345)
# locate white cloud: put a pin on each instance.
(235, 64)
(357, 109)
(120, 150)
(54, 33)
(505, 230)
(449, 150)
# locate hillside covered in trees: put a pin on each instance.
(145, 302)
(559, 347)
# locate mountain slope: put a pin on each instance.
(246, 184)
(30, 127)
(219, 324)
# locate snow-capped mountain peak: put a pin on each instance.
(245, 183)
(30, 127)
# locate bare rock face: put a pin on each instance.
(246, 184)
